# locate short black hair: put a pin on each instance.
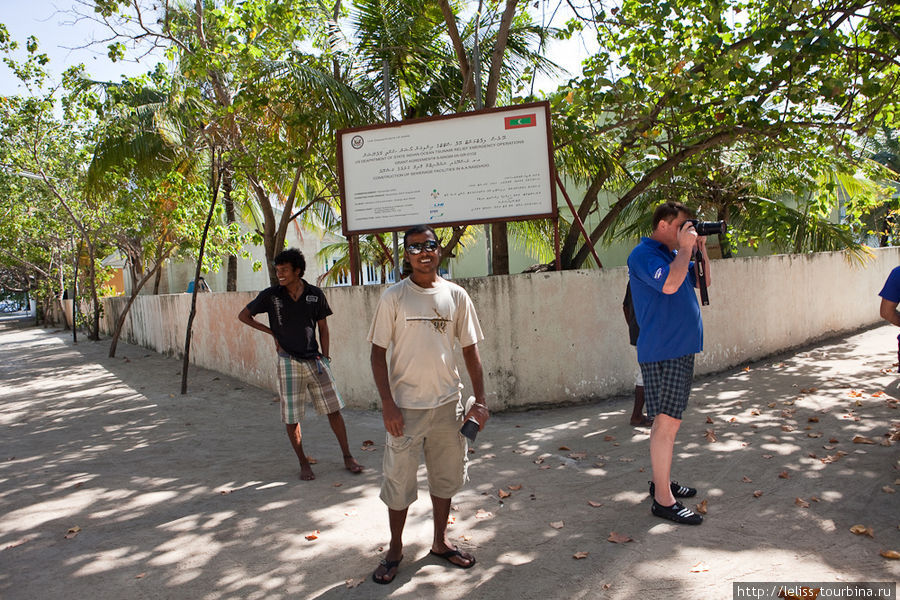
(292, 257)
(420, 229)
(668, 211)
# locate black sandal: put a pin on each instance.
(388, 565)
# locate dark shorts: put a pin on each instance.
(667, 385)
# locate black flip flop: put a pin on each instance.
(388, 565)
(455, 552)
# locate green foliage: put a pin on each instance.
(787, 85)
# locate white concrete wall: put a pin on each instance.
(550, 337)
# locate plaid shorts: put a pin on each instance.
(667, 385)
(298, 379)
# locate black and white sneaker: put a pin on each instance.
(677, 512)
(679, 491)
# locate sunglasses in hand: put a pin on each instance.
(429, 246)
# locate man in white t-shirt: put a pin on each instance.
(421, 319)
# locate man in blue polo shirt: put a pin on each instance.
(890, 298)
(663, 278)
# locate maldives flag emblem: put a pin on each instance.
(520, 121)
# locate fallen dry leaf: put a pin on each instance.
(746, 369)
(312, 461)
(710, 436)
(579, 555)
(863, 530)
(140, 575)
(813, 419)
(861, 439)
(892, 554)
(771, 405)
(565, 449)
(699, 568)
(784, 475)
(746, 479)
(702, 507)
(833, 441)
(578, 455)
(352, 583)
(878, 394)
(557, 524)
(542, 467)
(503, 494)
(757, 493)
(709, 420)
(483, 514)
(538, 461)
(854, 394)
(313, 536)
(368, 443)
(609, 438)
(734, 419)
(787, 428)
(768, 456)
(595, 504)
(515, 487)
(337, 484)
(618, 538)
(888, 489)
(814, 434)
(72, 532)
(828, 447)
(813, 498)
(755, 412)
(801, 503)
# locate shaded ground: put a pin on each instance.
(197, 496)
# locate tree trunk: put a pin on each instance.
(228, 201)
(190, 324)
(499, 249)
(120, 322)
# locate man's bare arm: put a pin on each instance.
(390, 412)
(479, 410)
(889, 312)
(324, 337)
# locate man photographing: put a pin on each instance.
(663, 277)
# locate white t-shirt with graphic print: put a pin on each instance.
(421, 327)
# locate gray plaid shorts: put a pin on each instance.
(667, 385)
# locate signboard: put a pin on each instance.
(477, 167)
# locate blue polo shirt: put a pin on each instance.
(670, 323)
(891, 289)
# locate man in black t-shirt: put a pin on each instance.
(296, 309)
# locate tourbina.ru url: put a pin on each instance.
(758, 590)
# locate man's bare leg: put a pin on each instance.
(293, 432)
(637, 413)
(340, 432)
(385, 573)
(441, 545)
(662, 444)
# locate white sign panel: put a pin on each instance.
(492, 165)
